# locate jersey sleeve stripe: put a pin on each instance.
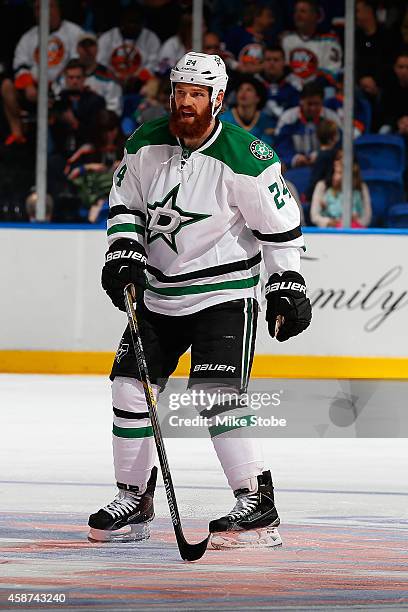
(121, 209)
(235, 266)
(126, 227)
(280, 237)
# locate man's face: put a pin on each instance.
(247, 96)
(211, 44)
(87, 51)
(311, 107)
(55, 13)
(401, 70)
(130, 24)
(363, 12)
(274, 64)
(75, 79)
(191, 111)
(265, 19)
(305, 17)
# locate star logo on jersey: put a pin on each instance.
(165, 219)
(261, 150)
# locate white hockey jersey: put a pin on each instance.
(62, 46)
(125, 56)
(202, 216)
(319, 55)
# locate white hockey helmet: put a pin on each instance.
(201, 69)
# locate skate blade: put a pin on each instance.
(267, 537)
(130, 533)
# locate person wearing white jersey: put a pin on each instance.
(193, 205)
(62, 46)
(130, 51)
(308, 53)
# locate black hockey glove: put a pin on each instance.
(286, 296)
(125, 263)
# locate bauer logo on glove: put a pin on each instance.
(125, 263)
(286, 298)
(283, 285)
(126, 255)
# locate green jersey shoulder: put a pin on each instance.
(241, 151)
(234, 146)
(154, 132)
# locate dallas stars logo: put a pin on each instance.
(261, 150)
(165, 219)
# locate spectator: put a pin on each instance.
(296, 138)
(247, 42)
(373, 49)
(362, 113)
(91, 167)
(395, 97)
(75, 110)
(277, 78)
(162, 17)
(226, 13)
(12, 111)
(328, 136)
(327, 201)
(130, 51)
(23, 94)
(175, 47)
(247, 113)
(155, 103)
(62, 46)
(308, 53)
(98, 77)
(404, 28)
(213, 46)
(15, 20)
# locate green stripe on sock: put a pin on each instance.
(191, 289)
(132, 432)
(216, 430)
(126, 227)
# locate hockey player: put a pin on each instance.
(191, 204)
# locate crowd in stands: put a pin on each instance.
(108, 72)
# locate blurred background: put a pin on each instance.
(108, 72)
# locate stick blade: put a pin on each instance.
(191, 552)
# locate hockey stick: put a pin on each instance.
(188, 552)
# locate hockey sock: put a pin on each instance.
(240, 457)
(134, 449)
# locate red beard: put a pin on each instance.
(194, 130)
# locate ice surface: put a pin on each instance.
(333, 495)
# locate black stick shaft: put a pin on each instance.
(189, 552)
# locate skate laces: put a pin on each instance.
(245, 504)
(123, 504)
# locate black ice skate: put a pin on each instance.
(253, 521)
(127, 517)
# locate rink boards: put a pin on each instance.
(357, 282)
